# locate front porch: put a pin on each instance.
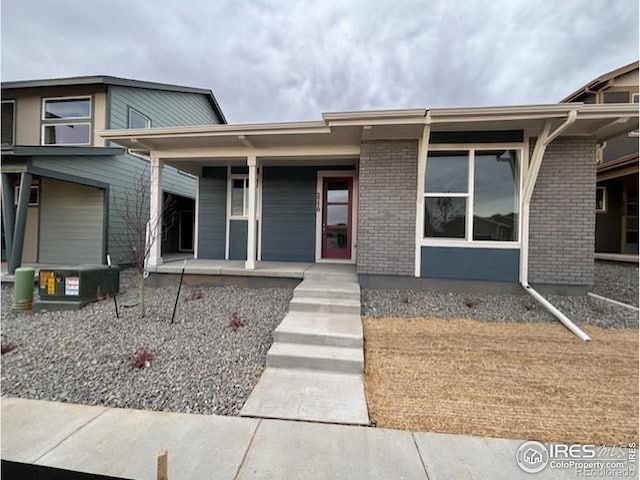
(194, 266)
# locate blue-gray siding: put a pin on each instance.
(237, 239)
(289, 213)
(494, 264)
(165, 109)
(212, 213)
(174, 181)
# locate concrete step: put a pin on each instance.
(324, 305)
(340, 330)
(324, 289)
(308, 395)
(331, 273)
(316, 357)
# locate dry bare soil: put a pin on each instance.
(512, 380)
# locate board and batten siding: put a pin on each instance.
(212, 213)
(71, 223)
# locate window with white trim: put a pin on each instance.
(138, 119)
(34, 195)
(239, 196)
(57, 127)
(601, 199)
(472, 195)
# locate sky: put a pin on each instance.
(286, 60)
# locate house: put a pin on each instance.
(486, 196)
(616, 201)
(64, 188)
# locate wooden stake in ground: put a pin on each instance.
(162, 466)
(173, 315)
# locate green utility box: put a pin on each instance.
(71, 288)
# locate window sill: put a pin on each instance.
(468, 244)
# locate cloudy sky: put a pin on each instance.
(292, 60)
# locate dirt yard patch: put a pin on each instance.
(512, 380)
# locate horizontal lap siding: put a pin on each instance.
(165, 109)
(212, 209)
(289, 213)
(122, 173)
(71, 223)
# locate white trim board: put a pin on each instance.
(354, 214)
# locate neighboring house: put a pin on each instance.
(75, 184)
(413, 197)
(617, 172)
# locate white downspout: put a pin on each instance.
(534, 168)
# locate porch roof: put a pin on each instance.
(340, 133)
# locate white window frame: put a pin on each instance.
(13, 126)
(132, 110)
(604, 200)
(87, 120)
(53, 124)
(245, 202)
(16, 191)
(468, 240)
(75, 97)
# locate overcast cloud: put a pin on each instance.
(292, 60)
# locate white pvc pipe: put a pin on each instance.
(530, 183)
(615, 302)
(558, 314)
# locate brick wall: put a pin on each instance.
(387, 207)
(562, 214)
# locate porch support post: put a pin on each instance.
(154, 228)
(7, 212)
(15, 258)
(250, 264)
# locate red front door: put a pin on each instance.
(337, 197)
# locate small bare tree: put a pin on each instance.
(137, 230)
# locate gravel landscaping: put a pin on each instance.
(518, 308)
(618, 281)
(207, 362)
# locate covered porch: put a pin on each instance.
(195, 266)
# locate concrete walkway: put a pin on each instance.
(314, 367)
(124, 443)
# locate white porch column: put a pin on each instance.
(250, 264)
(154, 227)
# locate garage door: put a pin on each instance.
(71, 223)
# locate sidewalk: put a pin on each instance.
(124, 443)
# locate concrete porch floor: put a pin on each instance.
(617, 257)
(236, 268)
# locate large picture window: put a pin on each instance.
(472, 195)
(66, 121)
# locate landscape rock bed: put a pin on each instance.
(616, 280)
(505, 307)
(207, 362)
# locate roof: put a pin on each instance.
(48, 150)
(600, 81)
(117, 81)
(343, 132)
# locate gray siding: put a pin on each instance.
(212, 213)
(71, 223)
(122, 173)
(619, 147)
(387, 207)
(165, 109)
(173, 181)
(238, 239)
(493, 264)
(289, 214)
(562, 214)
